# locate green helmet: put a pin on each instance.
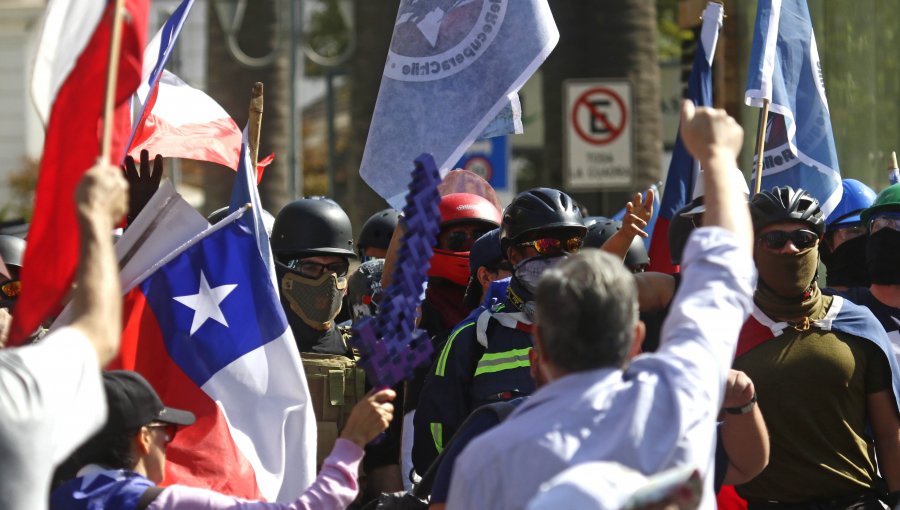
(889, 198)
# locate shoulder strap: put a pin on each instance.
(148, 497)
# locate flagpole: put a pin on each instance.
(111, 81)
(760, 144)
(255, 124)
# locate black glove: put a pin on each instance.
(142, 185)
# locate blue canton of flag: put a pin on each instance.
(451, 68)
(245, 191)
(214, 302)
(785, 69)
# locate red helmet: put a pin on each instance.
(465, 207)
(459, 208)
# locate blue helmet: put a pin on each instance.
(857, 196)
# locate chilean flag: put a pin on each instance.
(68, 88)
(843, 315)
(175, 119)
(209, 333)
(683, 169)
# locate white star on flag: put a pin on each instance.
(205, 303)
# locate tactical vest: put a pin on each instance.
(336, 384)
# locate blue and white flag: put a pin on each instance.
(451, 69)
(245, 191)
(785, 69)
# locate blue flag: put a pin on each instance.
(451, 68)
(785, 69)
(245, 191)
(683, 169)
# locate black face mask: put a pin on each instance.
(846, 265)
(882, 251)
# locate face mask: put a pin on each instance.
(450, 265)
(524, 282)
(789, 275)
(846, 265)
(882, 251)
(316, 301)
(529, 271)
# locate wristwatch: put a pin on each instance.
(744, 409)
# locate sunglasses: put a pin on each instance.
(170, 429)
(312, 269)
(552, 246)
(885, 220)
(462, 240)
(776, 239)
(11, 289)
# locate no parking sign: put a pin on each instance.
(599, 141)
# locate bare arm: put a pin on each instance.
(886, 429)
(101, 200)
(637, 213)
(744, 436)
(715, 139)
(655, 290)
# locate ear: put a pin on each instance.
(640, 331)
(142, 441)
(484, 276)
(513, 255)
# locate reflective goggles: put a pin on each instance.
(11, 289)
(312, 269)
(776, 239)
(552, 246)
(889, 220)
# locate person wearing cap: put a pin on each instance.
(121, 466)
(486, 266)
(824, 372)
(51, 394)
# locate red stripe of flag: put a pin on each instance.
(71, 146)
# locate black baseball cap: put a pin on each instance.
(133, 403)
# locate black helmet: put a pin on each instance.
(312, 226)
(783, 204)
(12, 249)
(378, 229)
(603, 228)
(680, 229)
(540, 210)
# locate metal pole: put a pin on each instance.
(329, 116)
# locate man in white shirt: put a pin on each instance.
(657, 412)
(51, 393)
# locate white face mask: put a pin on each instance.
(529, 271)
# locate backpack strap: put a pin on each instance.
(148, 497)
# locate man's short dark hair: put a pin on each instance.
(586, 310)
